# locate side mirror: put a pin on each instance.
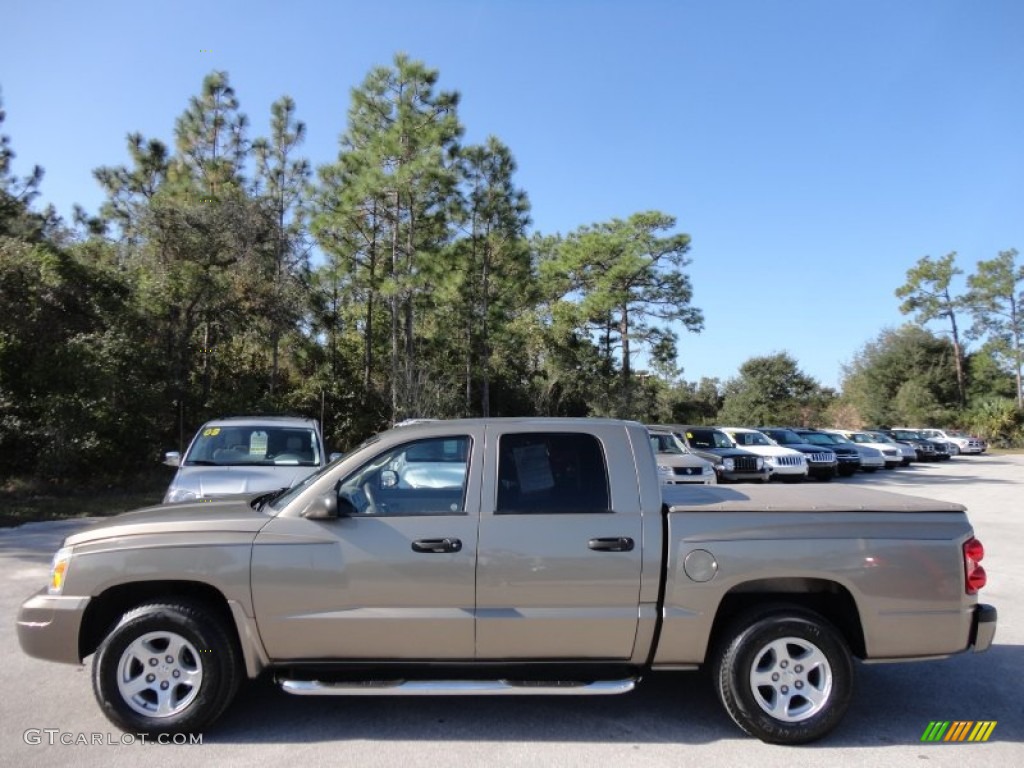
(326, 508)
(172, 459)
(388, 478)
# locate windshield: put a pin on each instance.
(818, 438)
(860, 437)
(879, 437)
(785, 437)
(906, 434)
(750, 438)
(708, 438)
(665, 443)
(284, 499)
(258, 444)
(839, 439)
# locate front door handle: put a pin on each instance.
(616, 544)
(437, 545)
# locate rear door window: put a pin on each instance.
(551, 473)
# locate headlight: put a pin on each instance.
(59, 570)
(769, 460)
(665, 469)
(707, 469)
(176, 495)
(729, 465)
(760, 464)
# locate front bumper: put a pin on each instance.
(742, 476)
(48, 626)
(983, 627)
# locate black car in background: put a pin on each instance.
(821, 461)
(731, 463)
(927, 450)
(847, 455)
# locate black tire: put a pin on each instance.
(194, 660)
(770, 645)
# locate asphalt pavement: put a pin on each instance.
(48, 715)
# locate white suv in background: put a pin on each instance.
(892, 455)
(963, 443)
(784, 463)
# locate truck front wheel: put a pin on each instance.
(166, 668)
(785, 677)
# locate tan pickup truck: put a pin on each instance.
(510, 556)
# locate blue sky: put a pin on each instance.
(813, 149)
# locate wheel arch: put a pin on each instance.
(830, 599)
(105, 610)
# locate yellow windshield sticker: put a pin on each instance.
(211, 432)
(689, 435)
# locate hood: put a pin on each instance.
(809, 448)
(223, 481)
(229, 516)
(846, 450)
(725, 453)
(771, 450)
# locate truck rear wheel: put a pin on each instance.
(785, 677)
(166, 668)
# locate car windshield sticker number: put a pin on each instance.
(211, 432)
(533, 468)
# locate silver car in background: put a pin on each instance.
(241, 455)
(677, 465)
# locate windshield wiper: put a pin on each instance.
(262, 500)
(201, 463)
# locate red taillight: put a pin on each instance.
(974, 573)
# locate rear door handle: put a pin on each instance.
(437, 545)
(616, 544)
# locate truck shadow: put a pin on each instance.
(892, 705)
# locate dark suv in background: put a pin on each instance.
(847, 455)
(927, 450)
(821, 460)
(731, 463)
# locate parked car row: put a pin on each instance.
(703, 454)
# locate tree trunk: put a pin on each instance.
(958, 354)
(1015, 324)
(395, 329)
(626, 373)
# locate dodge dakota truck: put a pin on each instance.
(510, 557)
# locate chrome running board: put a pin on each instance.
(458, 688)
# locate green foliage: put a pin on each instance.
(904, 376)
(384, 217)
(996, 299)
(76, 387)
(927, 294)
(997, 420)
(773, 390)
(622, 282)
(192, 293)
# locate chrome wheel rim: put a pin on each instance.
(791, 679)
(159, 674)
